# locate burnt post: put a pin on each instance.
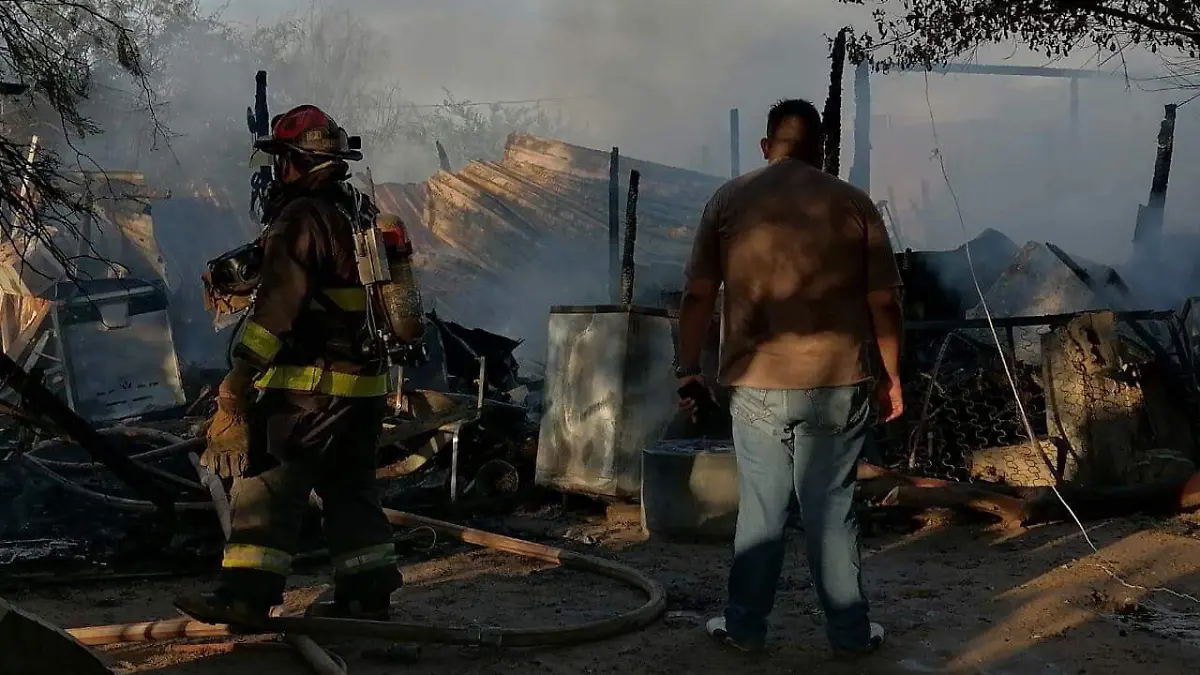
(1150, 217)
(443, 158)
(832, 118)
(860, 172)
(614, 224)
(627, 262)
(735, 145)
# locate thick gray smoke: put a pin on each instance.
(657, 78)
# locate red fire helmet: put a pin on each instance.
(308, 130)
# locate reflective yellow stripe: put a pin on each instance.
(365, 559)
(352, 299)
(313, 379)
(260, 341)
(249, 557)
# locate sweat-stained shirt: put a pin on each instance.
(798, 250)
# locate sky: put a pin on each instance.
(658, 77)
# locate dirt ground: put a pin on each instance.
(955, 599)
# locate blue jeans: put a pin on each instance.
(806, 441)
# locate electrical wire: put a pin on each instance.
(1008, 371)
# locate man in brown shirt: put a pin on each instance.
(810, 348)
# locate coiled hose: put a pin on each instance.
(386, 630)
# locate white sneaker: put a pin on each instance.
(717, 630)
(874, 642)
(878, 635)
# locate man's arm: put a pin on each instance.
(695, 316)
(285, 287)
(703, 281)
(887, 316)
(887, 313)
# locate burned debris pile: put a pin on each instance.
(462, 433)
(1102, 394)
(462, 447)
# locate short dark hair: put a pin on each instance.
(795, 107)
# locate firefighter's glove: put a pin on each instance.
(228, 436)
(228, 439)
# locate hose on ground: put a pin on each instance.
(123, 503)
(416, 633)
(386, 630)
(174, 445)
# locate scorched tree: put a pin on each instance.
(921, 33)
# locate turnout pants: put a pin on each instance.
(300, 443)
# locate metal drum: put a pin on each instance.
(690, 490)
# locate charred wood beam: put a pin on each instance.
(1028, 506)
(39, 400)
(1150, 217)
(832, 126)
(443, 158)
(890, 488)
(1159, 499)
(627, 265)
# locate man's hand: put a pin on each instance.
(890, 397)
(228, 437)
(687, 402)
(694, 394)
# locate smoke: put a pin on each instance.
(658, 77)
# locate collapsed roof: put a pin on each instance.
(545, 201)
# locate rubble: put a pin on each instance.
(1102, 403)
(939, 285)
(1040, 281)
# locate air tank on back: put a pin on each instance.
(401, 297)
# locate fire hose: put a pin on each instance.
(299, 627)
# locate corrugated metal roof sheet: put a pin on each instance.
(482, 223)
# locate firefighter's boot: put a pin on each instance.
(242, 616)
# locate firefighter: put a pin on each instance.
(302, 407)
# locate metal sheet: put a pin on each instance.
(609, 393)
(117, 371)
